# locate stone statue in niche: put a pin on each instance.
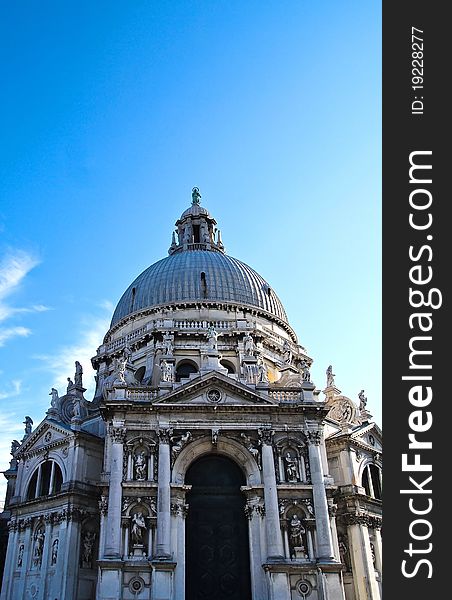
(179, 442)
(28, 425)
(78, 374)
(212, 338)
(330, 377)
(20, 556)
(140, 464)
(343, 552)
(88, 540)
(168, 345)
(296, 531)
(138, 528)
(252, 448)
(54, 400)
(167, 371)
(39, 545)
(54, 556)
(291, 468)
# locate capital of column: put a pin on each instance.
(266, 436)
(374, 522)
(165, 434)
(117, 434)
(313, 436)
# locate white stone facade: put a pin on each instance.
(99, 493)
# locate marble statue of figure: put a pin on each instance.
(167, 370)
(14, 446)
(127, 354)
(53, 560)
(248, 344)
(343, 552)
(262, 371)
(77, 408)
(28, 425)
(291, 468)
(296, 532)
(39, 545)
(121, 368)
(70, 384)
(179, 442)
(78, 374)
(140, 466)
(330, 377)
(252, 448)
(54, 400)
(212, 337)
(168, 344)
(306, 373)
(138, 528)
(287, 352)
(362, 400)
(20, 556)
(195, 196)
(88, 546)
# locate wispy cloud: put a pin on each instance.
(13, 269)
(11, 332)
(62, 362)
(14, 389)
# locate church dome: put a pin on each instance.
(198, 270)
(197, 276)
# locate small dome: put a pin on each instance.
(196, 276)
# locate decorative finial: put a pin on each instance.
(195, 196)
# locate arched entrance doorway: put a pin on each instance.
(217, 549)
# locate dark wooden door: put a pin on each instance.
(217, 549)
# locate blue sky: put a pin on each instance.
(112, 112)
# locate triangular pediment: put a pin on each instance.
(214, 389)
(46, 435)
(370, 435)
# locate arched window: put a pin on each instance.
(184, 369)
(46, 480)
(228, 365)
(371, 481)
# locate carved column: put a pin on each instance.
(10, 559)
(164, 496)
(42, 592)
(28, 543)
(365, 582)
(113, 525)
(275, 547)
(255, 512)
(378, 555)
(324, 539)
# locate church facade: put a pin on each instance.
(207, 465)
